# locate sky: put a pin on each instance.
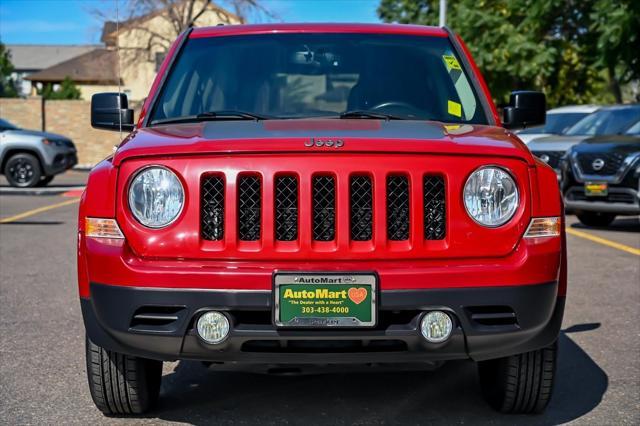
(74, 21)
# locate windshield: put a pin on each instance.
(5, 125)
(606, 122)
(319, 75)
(556, 123)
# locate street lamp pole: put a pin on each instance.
(443, 13)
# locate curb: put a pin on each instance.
(40, 191)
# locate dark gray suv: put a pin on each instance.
(31, 158)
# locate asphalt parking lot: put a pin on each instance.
(42, 372)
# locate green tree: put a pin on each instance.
(617, 25)
(7, 84)
(550, 45)
(67, 90)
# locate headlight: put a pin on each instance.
(156, 197)
(491, 196)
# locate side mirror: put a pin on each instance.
(526, 109)
(109, 111)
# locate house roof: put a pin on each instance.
(96, 66)
(35, 57)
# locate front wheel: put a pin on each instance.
(596, 219)
(520, 384)
(22, 170)
(122, 384)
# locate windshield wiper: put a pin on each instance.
(212, 116)
(357, 113)
(232, 113)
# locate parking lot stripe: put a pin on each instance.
(38, 210)
(603, 241)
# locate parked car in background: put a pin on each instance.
(610, 120)
(601, 177)
(559, 120)
(32, 158)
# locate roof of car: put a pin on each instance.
(574, 109)
(223, 30)
(620, 106)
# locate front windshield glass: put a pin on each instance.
(320, 75)
(560, 123)
(606, 122)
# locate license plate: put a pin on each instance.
(325, 300)
(596, 189)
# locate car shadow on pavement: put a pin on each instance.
(627, 224)
(195, 394)
(36, 222)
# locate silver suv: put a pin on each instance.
(31, 158)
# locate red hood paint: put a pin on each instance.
(282, 136)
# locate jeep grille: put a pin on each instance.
(288, 205)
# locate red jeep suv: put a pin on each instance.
(321, 194)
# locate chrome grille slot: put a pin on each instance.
(212, 208)
(397, 208)
(286, 208)
(249, 208)
(434, 208)
(361, 208)
(324, 208)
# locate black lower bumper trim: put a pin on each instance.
(490, 322)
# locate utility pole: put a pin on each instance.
(443, 13)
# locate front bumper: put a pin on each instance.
(620, 200)
(490, 322)
(59, 159)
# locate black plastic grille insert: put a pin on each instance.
(397, 208)
(552, 158)
(286, 204)
(434, 208)
(212, 211)
(249, 211)
(324, 208)
(611, 163)
(361, 196)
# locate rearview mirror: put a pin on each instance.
(526, 109)
(110, 111)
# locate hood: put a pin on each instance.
(622, 144)
(37, 134)
(528, 137)
(555, 143)
(357, 135)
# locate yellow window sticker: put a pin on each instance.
(454, 108)
(451, 62)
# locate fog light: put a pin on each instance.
(436, 326)
(213, 327)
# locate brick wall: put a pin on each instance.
(25, 113)
(73, 119)
(68, 118)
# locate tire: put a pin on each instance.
(122, 384)
(23, 170)
(45, 180)
(596, 219)
(520, 384)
